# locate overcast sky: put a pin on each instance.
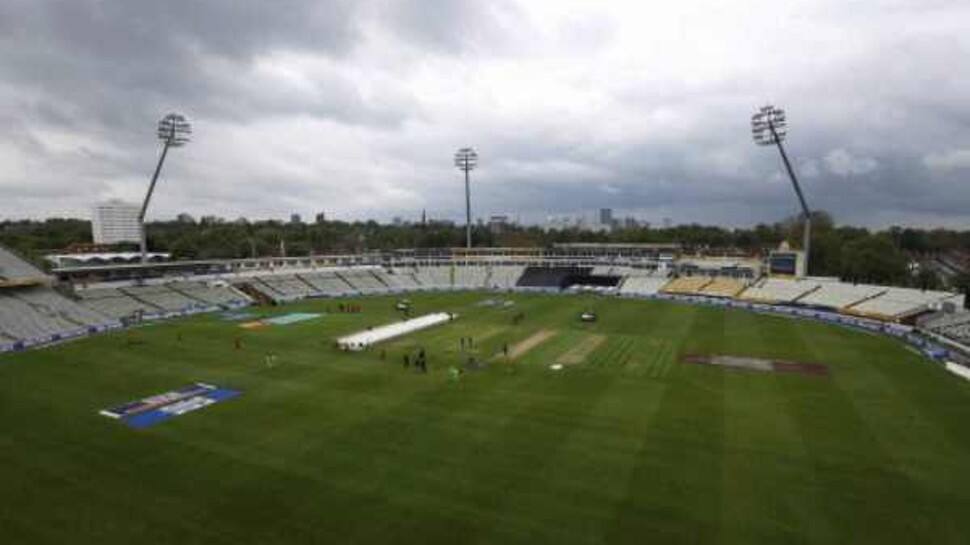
(356, 107)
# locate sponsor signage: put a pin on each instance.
(151, 410)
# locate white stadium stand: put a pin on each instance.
(504, 277)
(162, 297)
(778, 290)
(288, 285)
(13, 268)
(954, 326)
(113, 303)
(32, 312)
(435, 277)
(26, 316)
(399, 279)
(363, 280)
(839, 295)
(213, 294)
(327, 283)
(471, 277)
(50, 303)
(642, 285)
(900, 302)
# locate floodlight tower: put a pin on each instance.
(769, 127)
(466, 159)
(173, 131)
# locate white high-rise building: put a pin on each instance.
(606, 216)
(115, 221)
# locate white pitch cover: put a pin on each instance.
(363, 339)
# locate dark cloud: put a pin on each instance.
(354, 107)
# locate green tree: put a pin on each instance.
(873, 259)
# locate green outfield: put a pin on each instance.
(624, 444)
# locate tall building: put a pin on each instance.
(498, 223)
(606, 216)
(115, 221)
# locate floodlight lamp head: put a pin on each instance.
(769, 126)
(174, 130)
(466, 159)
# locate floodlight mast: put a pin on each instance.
(466, 160)
(769, 127)
(173, 131)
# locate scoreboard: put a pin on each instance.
(786, 263)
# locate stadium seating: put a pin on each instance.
(437, 277)
(19, 321)
(50, 303)
(504, 277)
(13, 268)
(953, 326)
(839, 295)
(471, 277)
(114, 303)
(895, 303)
(289, 286)
(642, 285)
(550, 277)
(687, 285)
(723, 287)
(384, 278)
(327, 283)
(40, 312)
(162, 297)
(362, 280)
(35, 311)
(399, 279)
(777, 290)
(211, 294)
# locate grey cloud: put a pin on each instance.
(843, 163)
(456, 26)
(367, 125)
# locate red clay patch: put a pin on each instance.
(758, 364)
(800, 368)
